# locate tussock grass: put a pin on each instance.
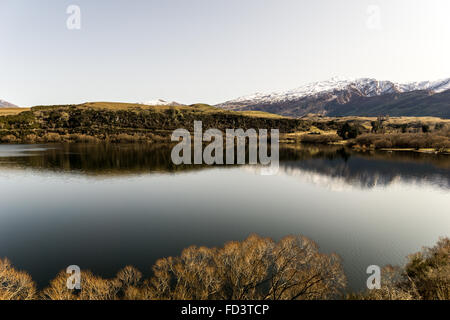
(12, 111)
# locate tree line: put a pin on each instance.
(255, 269)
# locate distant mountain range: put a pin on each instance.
(161, 102)
(343, 97)
(359, 97)
(6, 104)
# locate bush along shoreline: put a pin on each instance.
(96, 122)
(255, 269)
(412, 136)
(129, 123)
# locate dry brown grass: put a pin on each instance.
(197, 107)
(260, 114)
(12, 111)
(124, 106)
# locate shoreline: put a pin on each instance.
(164, 141)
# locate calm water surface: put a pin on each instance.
(106, 206)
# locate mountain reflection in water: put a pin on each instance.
(103, 207)
(333, 165)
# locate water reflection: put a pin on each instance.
(106, 206)
(335, 166)
(339, 167)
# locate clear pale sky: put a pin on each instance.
(212, 50)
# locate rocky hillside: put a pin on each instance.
(361, 97)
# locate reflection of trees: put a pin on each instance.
(333, 162)
(105, 159)
(369, 170)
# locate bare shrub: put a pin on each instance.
(392, 287)
(126, 138)
(83, 138)
(320, 138)
(31, 138)
(15, 285)
(58, 289)
(92, 288)
(403, 140)
(257, 268)
(190, 276)
(426, 276)
(129, 276)
(9, 139)
(52, 137)
(429, 271)
(127, 285)
(130, 285)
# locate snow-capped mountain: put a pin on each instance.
(365, 86)
(6, 104)
(161, 102)
(325, 97)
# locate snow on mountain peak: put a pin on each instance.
(160, 102)
(368, 87)
(6, 104)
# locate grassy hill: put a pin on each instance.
(125, 122)
(12, 111)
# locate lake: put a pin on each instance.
(103, 207)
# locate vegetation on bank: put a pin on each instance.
(12, 111)
(256, 268)
(439, 142)
(426, 276)
(125, 123)
(320, 138)
(382, 133)
(121, 122)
